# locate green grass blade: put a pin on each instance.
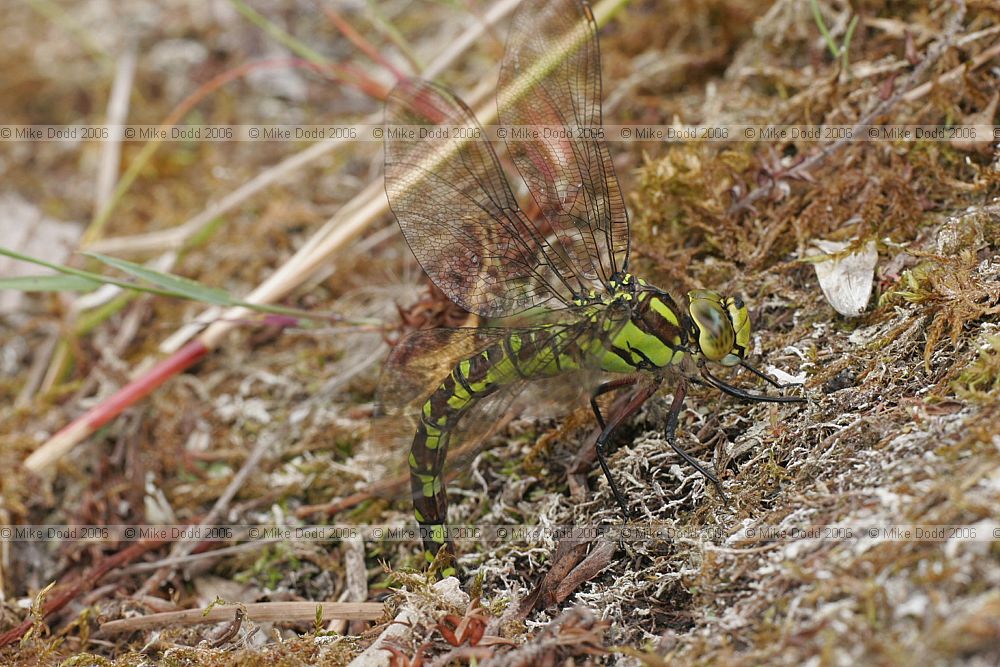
(67, 270)
(818, 18)
(847, 43)
(161, 284)
(279, 35)
(89, 275)
(174, 284)
(59, 282)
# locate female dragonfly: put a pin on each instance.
(493, 257)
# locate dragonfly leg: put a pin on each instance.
(727, 388)
(766, 377)
(604, 388)
(672, 421)
(645, 390)
(762, 375)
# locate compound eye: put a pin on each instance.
(708, 316)
(715, 333)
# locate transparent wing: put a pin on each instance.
(457, 211)
(551, 76)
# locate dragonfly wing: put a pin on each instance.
(457, 211)
(551, 76)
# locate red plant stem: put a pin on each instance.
(125, 397)
(66, 592)
(360, 42)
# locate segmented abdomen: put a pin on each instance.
(534, 354)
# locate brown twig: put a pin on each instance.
(199, 555)
(260, 612)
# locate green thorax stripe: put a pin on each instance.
(653, 338)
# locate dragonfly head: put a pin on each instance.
(721, 325)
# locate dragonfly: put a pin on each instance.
(565, 252)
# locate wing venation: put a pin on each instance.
(457, 211)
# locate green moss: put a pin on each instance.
(980, 381)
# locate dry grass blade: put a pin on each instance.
(260, 612)
(118, 105)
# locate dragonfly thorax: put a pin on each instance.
(656, 334)
(659, 333)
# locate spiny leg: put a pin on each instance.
(646, 389)
(604, 388)
(727, 388)
(672, 421)
(764, 376)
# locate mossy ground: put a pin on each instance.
(901, 426)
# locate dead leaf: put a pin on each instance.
(846, 278)
(981, 142)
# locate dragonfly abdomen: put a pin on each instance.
(538, 353)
